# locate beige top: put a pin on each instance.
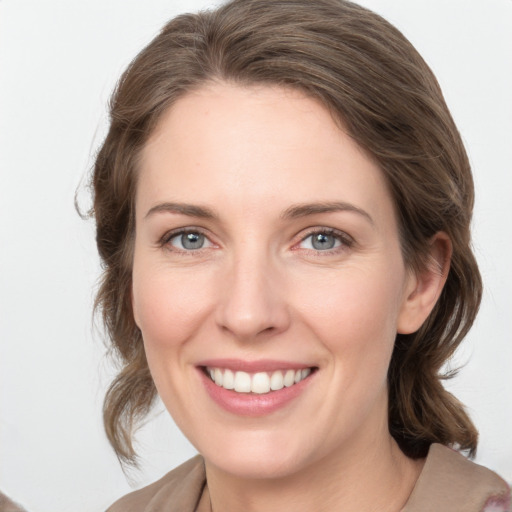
(448, 482)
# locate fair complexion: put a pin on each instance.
(266, 242)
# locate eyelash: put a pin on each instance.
(346, 241)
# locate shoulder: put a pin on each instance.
(449, 481)
(7, 505)
(178, 490)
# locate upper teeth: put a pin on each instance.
(261, 382)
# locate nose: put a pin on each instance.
(252, 302)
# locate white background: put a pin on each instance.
(59, 60)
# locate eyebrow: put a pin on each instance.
(303, 210)
(190, 210)
(293, 212)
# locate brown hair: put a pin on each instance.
(372, 79)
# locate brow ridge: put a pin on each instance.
(303, 210)
(190, 210)
(293, 212)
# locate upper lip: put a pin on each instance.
(260, 365)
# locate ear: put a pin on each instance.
(423, 288)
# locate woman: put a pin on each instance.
(283, 205)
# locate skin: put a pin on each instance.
(258, 289)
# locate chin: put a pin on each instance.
(258, 456)
(260, 468)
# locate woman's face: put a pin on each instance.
(266, 256)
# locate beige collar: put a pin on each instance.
(448, 482)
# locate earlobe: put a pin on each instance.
(424, 288)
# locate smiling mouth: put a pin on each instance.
(259, 383)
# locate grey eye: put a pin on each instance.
(190, 241)
(321, 241)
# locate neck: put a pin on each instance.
(371, 477)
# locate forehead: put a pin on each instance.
(250, 146)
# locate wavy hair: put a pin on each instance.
(368, 75)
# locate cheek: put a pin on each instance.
(354, 315)
(169, 311)
(167, 305)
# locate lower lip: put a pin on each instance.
(253, 404)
